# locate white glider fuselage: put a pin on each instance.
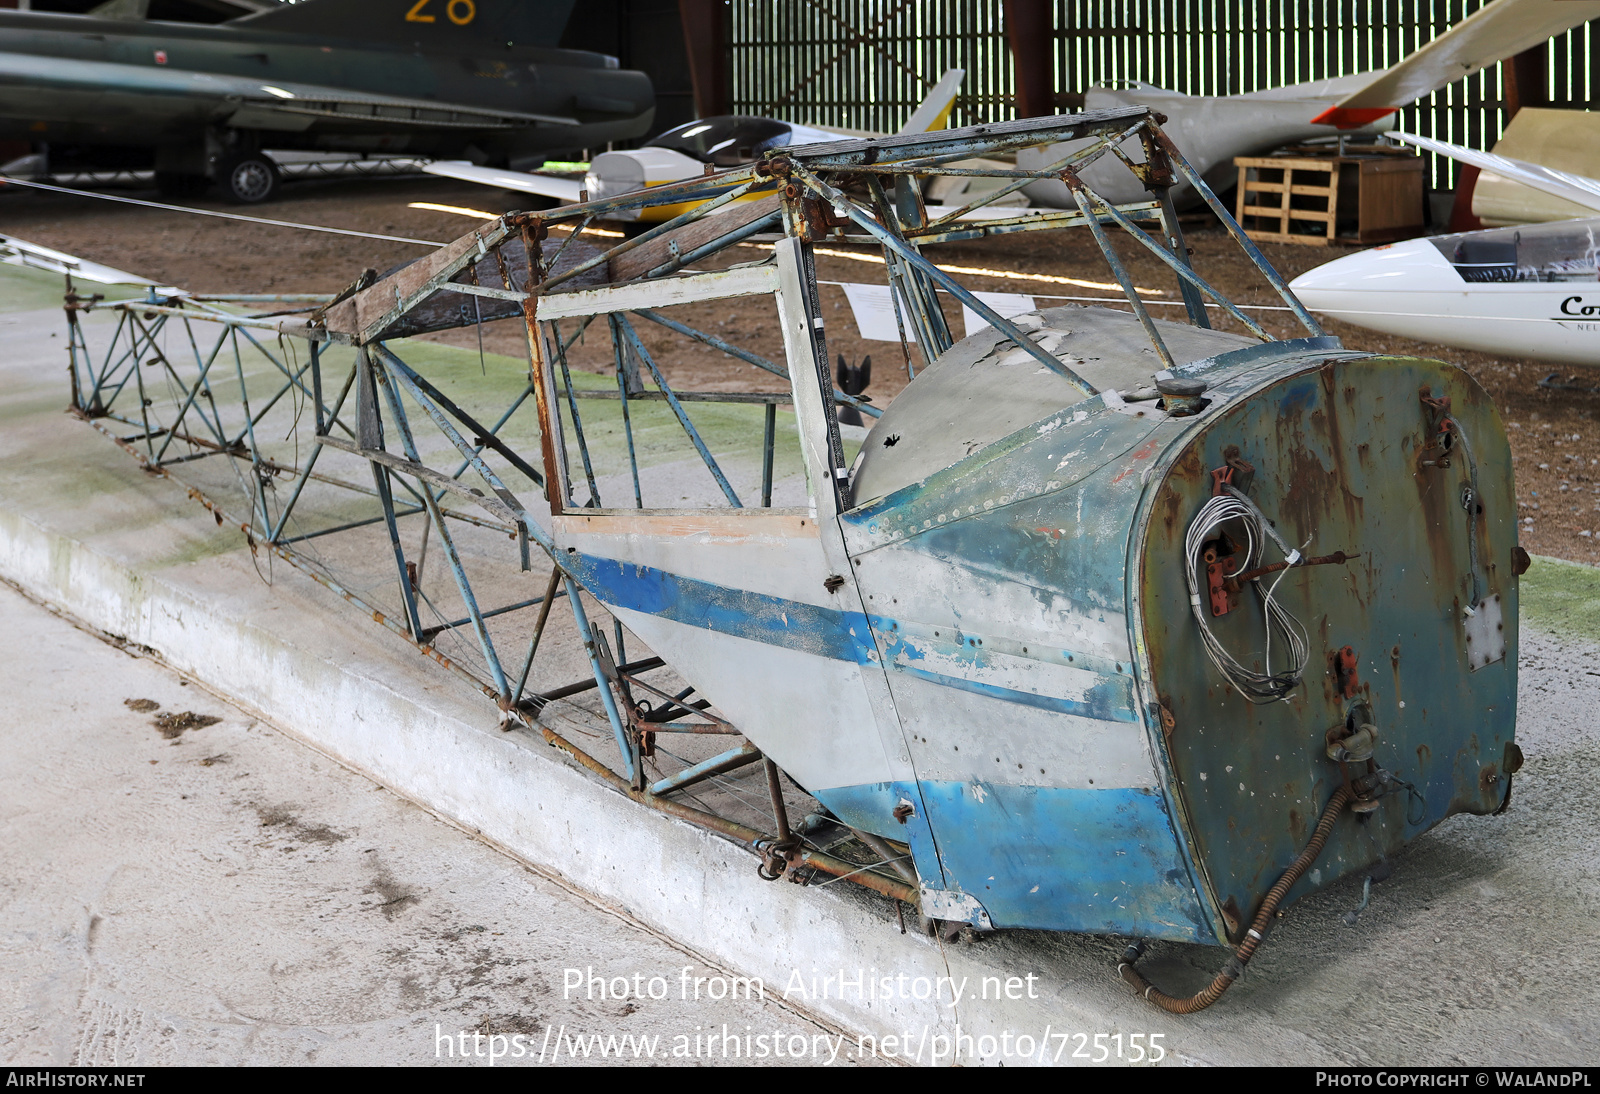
(1527, 292)
(1209, 129)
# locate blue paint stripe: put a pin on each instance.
(1100, 711)
(825, 632)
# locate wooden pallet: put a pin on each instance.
(1317, 200)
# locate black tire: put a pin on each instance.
(174, 185)
(247, 179)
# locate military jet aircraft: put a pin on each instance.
(477, 79)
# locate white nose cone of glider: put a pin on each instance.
(1356, 280)
(1408, 289)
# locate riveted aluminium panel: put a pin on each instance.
(1340, 466)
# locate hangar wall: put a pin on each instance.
(864, 64)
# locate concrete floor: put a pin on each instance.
(229, 896)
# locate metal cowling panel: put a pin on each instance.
(1347, 458)
(995, 591)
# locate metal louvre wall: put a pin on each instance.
(865, 64)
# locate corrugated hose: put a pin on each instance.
(1253, 937)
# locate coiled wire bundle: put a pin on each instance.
(1225, 508)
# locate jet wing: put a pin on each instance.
(1494, 32)
(565, 191)
(36, 86)
(1579, 189)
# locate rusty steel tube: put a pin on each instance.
(740, 833)
(1258, 929)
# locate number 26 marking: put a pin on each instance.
(459, 12)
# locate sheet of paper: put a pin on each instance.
(874, 313)
(1005, 304)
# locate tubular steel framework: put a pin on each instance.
(338, 445)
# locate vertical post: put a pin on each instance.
(458, 570)
(768, 443)
(1031, 34)
(626, 379)
(74, 339)
(577, 423)
(311, 460)
(1526, 80)
(546, 601)
(1160, 183)
(256, 468)
(316, 384)
(380, 478)
(705, 40)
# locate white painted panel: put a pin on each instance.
(809, 714)
(960, 736)
(788, 566)
(659, 293)
(909, 585)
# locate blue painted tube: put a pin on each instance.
(1192, 177)
(305, 474)
(1120, 273)
(734, 758)
(194, 393)
(683, 417)
(1182, 269)
(586, 635)
(749, 358)
(946, 282)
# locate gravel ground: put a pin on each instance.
(1555, 437)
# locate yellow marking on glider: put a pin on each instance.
(461, 20)
(660, 214)
(415, 14)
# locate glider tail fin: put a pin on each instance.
(934, 111)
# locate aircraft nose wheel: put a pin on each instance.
(248, 179)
